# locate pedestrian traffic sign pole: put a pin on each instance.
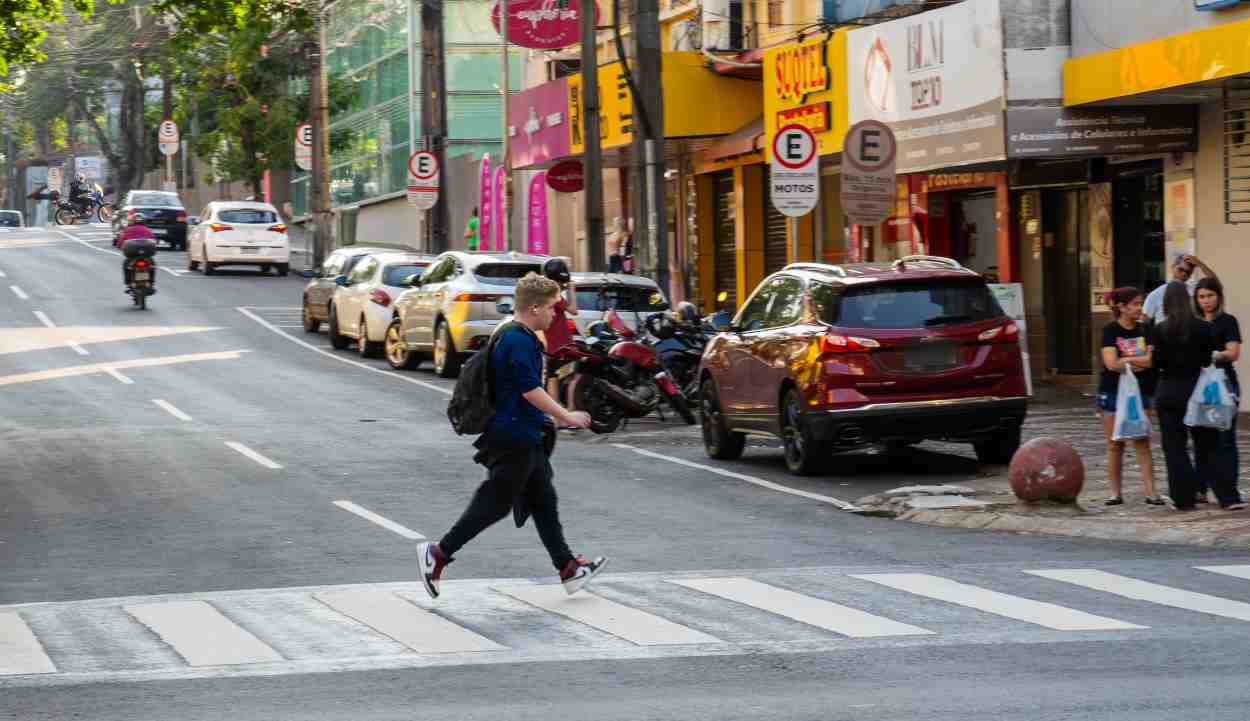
(303, 146)
(423, 179)
(795, 176)
(868, 175)
(167, 140)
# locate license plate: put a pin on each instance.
(566, 370)
(251, 251)
(142, 275)
(158, 231)
(934, 357)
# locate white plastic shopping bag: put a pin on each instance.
(1131, 421)
(1212, 404)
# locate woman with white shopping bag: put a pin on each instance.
(1183, 345)
(1123, 405)
(1226, 466)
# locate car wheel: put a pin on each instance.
(400, 358)
(284, 269)
(338, 341)
(999, 448)
(446, 360)
(368, 348)
(311, 324)
(718, 443)
(209, 268)
(192, 264)
(804, 456)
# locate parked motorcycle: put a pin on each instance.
(681, 355)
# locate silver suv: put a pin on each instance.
(452, 311)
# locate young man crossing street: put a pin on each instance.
(513, 450)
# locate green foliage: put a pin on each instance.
(23, 26)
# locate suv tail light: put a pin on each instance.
(1009, 333)
(840, 344)
(476, 297)
(279, 228)
(218, 227)
(380, 297)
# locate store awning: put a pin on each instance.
(745, 140)
(1185, 68)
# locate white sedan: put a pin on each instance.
(361, 308)
(233, 232)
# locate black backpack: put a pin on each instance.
(473, 400)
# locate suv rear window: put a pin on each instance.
(923, 304)
(248, 215)
(503, 273)
(621, 297)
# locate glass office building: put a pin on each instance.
(374, 47)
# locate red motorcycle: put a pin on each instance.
(613, 375)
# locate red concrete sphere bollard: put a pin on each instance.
(1047, 469)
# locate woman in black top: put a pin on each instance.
(1224, 469)
(1182, 348)
(1123, 346)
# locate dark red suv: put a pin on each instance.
(831, 358)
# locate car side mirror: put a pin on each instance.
(340, 280)
(505, 305)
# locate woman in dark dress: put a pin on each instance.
(1182, 345)
(1222, 472)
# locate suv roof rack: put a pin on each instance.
(824, 267)
(948, 262)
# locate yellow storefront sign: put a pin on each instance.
(805, 83)
(697, 102)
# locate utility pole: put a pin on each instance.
(593, 165)
(648, 142)
(319, 183)
(434, 117)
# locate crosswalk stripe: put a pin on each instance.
(20, 651)
(407, 623)
(1234, 571)
(812, 611)
(1049, 615)
(1151, 592)
(201, 634)
(637, 627)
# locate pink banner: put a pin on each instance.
(485, 209)
(498, 207)
(537, 240)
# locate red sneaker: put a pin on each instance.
(430, 561)
(579, 573)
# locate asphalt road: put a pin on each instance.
(206, 512)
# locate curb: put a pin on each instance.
(1133, 533)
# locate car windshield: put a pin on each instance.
(621, 297)
(503, 273)
(395, 274)
(924, 304)
(10, 220)
(156, 200)
(248, 215)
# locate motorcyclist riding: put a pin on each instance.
(136, 240)
(79, 191)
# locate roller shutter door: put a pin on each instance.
(725, 235)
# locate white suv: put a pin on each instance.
(233, 232)
(361, 308)
(453, 310)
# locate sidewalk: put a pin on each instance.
(1066, 413)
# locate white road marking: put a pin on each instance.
(637, 627)
(1151, 592)
(19, 292)
(254, 455)
(89, 369)
(20, 651)
(1234, 571)
(1040, 613)
(407, 623)
(743, 477)
(171, 409)
(202, 635)
(119, 376)
(103, 235)
(77, 348)
(817, 612)
(17, 340)
(382, 521)
(389, 374)
(43, 318)
(2, 275)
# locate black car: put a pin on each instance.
(162, 212)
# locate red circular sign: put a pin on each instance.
(423, 165)
(568, 176)
(808, 151)
(543, 24)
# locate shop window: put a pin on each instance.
(1237, 151)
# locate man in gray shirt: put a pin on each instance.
(1183, 271)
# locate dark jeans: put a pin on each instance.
(1183, 472)
(526, 472)
(1227, 464)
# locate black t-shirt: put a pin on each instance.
(1128, 343)
(1226, 330)
(1180, 361)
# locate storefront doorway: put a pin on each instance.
(1137, 197)
(1066, 273)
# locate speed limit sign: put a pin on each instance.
(303, 146)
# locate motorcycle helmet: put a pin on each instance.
(82, 178)
(661, 326)
(687, 313)
(556, 269)
(600, 329)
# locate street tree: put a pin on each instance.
(24, 26)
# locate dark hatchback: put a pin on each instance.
(162, 212)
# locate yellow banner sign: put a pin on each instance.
(805, 83)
